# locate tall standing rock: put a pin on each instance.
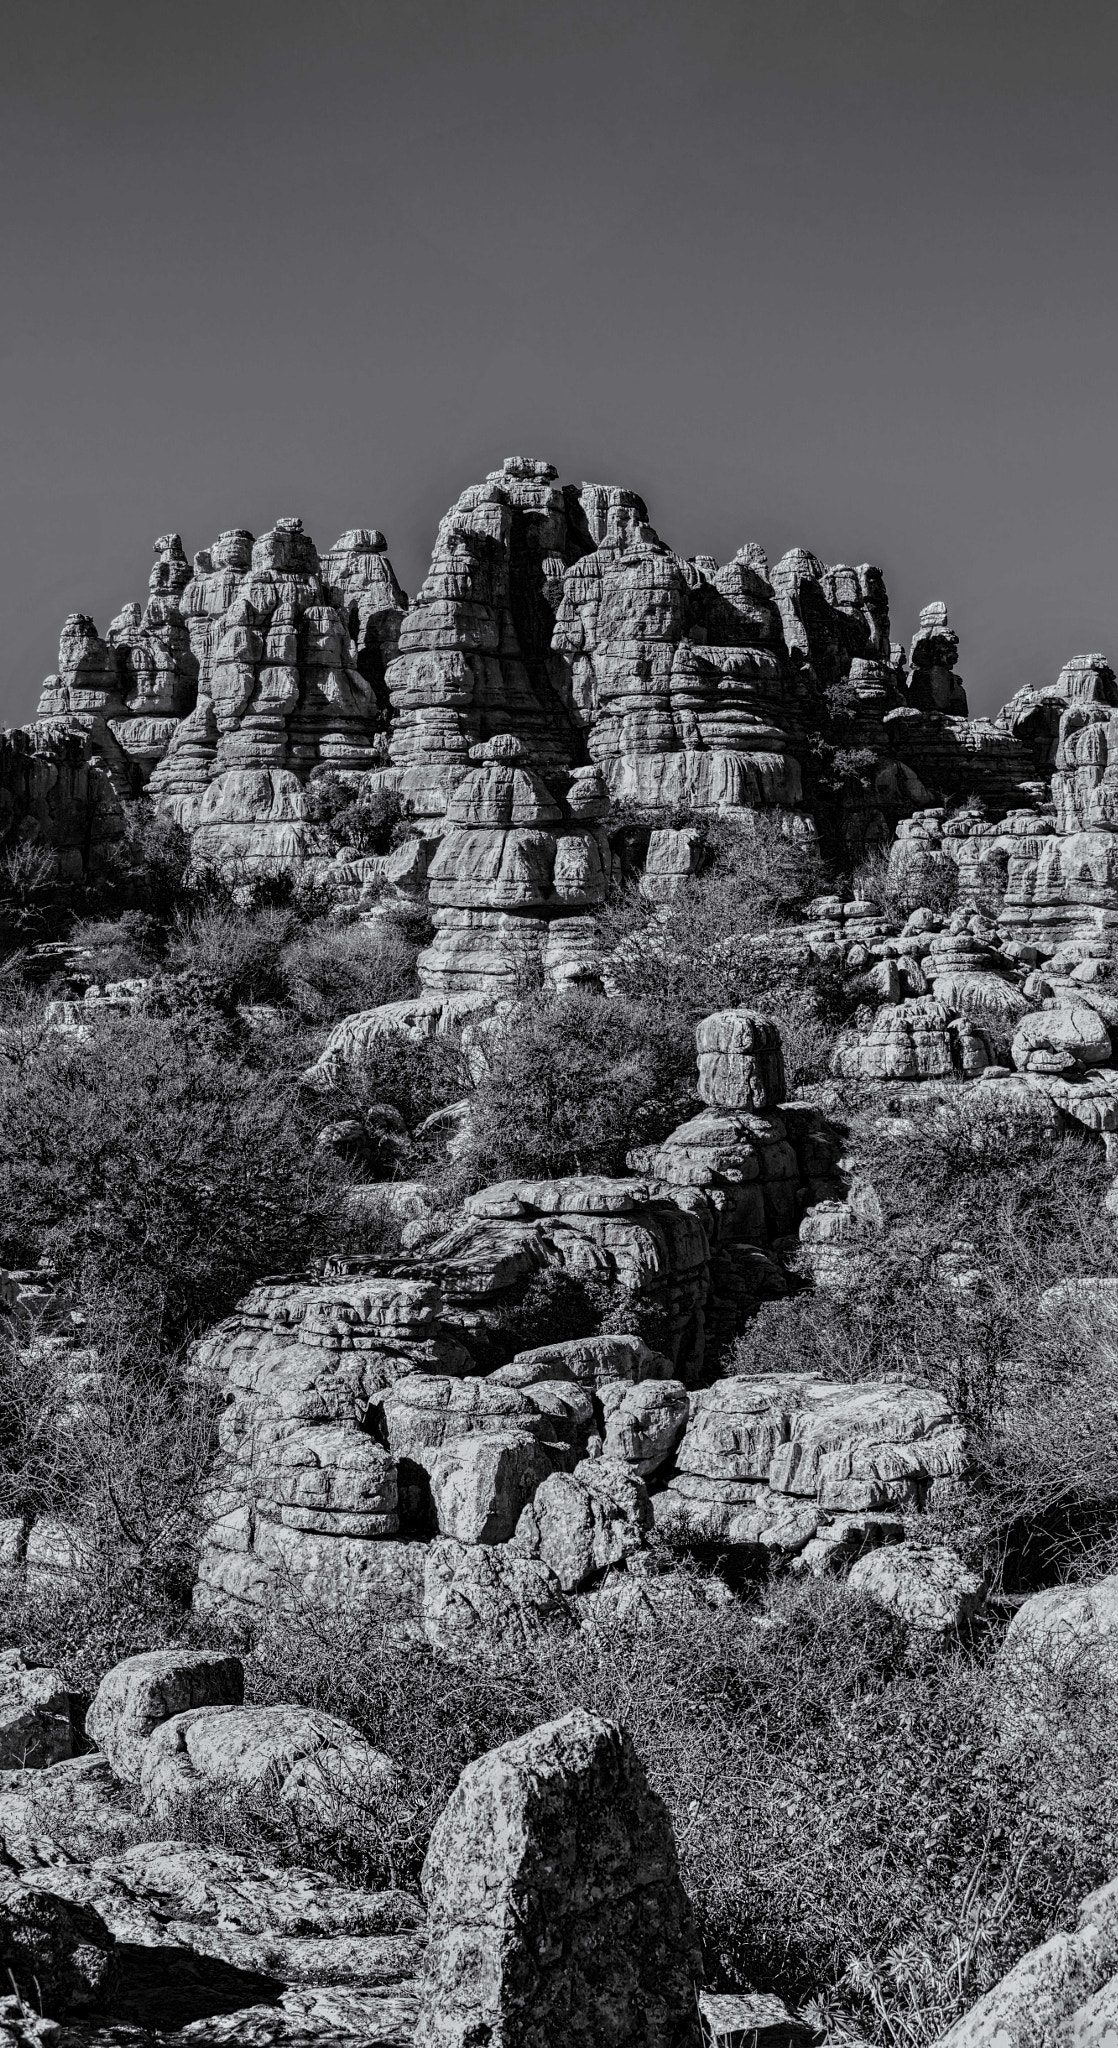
(475, 655)
(513, 881)
(557, 1918)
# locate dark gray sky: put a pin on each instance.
(839, 273)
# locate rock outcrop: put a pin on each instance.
(556, 1912)
(807, 1468)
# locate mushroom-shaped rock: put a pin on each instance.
(929, 1588)
(309, 1762)
(582, 1522)
(137, 1695)
(1060, 1041)
(741, 1065)
(556, 1914)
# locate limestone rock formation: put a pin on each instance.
(36, 1714)
(512, 882)
(475, 654)
(135, 1697)
(803, 1467)
(556, 1913)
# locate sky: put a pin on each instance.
(829, 273)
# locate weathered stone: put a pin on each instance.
(929, 1588)
(310, 1762)
(36, 1716)
(479, 1484)
(556, 1913)
(1061, 1041)
(741, 1065)
(1045, 2000)
(582, 1522)
(137, 1695)
(798, 1465)
(484, 1599)
(57, 1955)
(643, 1423)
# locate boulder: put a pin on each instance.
(799, 1466)
(582, 1522)
(36, 1715)
(1060, 1993)
(1059, 1661)
(917, 1040)
(741, 1065)
(137, 1695)
(555, 1910)
(483, 1599)
(643, 1423)
(929, 1588)
(312, 1763)
(1061, 1041)
(57, 1955)
(479, 1484)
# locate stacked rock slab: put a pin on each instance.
(754, 1166)
(800, 1466)
(513, 883)
(475, 654)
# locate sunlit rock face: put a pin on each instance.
(555, 615)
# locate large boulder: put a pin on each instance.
(312, 1763)
(582, 1522)
(479, 1484)
(930, 1588)
(1061, 1041)
(484, 1599)
(1059, 1661)
(1060, 1995)
(643, 1423)
(917, 1040)
(556, 1914)
(137, 1695)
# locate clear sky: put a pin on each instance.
(835, 273)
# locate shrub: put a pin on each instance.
(352, 814)
(572, 1082)
(333, 970)
(238, 951)
(160, 1174)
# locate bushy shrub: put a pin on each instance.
(161, 1175)
(333, 970)
(350, 813)
(571, 1082)
(983, 1211)
(238, 950)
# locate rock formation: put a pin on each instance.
(556, 1910)
(553, 615)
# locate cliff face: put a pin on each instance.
(555, 615)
